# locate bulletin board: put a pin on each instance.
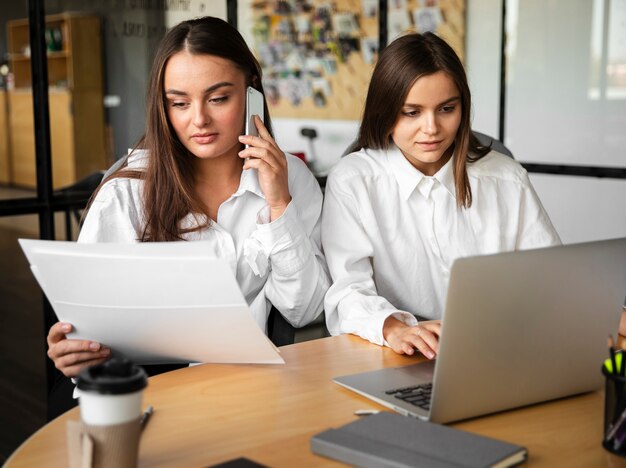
(317, 56)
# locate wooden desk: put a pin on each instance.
(213, 413)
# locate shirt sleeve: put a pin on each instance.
(113, 215)
(298, 276)
(535, 228)
(352, 304)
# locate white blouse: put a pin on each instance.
(277, 263)
(390, 234)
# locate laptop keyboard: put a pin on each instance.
(417, 395)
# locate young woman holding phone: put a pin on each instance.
(417, 192)
(191, 178)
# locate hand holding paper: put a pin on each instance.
(72, 356)
(154, 303)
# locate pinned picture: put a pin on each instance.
(330, 64)
(398, 21)
(302, 24)
(267, 56)
(427, 19)
(369, 48)
(320, 92)
(320, 26)
(294, 60)
(314, 67)
(294, 90)
(345, 24)
(397, 4)
(369, 8)
(349, 45)
(261, 29)
(271, 91)
(333, 48)
(280, 28)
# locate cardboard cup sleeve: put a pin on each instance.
(111, 446)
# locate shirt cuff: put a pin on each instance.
(75, 393)
(406, 318)
(284, 240)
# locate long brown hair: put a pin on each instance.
(399, 66)
(168, 188)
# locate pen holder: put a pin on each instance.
(614, 413)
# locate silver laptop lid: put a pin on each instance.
(527, 326)
(519, 328)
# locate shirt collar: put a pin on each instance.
(249, 182)
(406, 175)
(410, 178)
(445, 176)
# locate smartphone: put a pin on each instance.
(254, 106)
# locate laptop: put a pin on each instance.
(518, 328)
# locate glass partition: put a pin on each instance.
(98, 55)
(566, 82)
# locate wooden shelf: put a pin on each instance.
(75, 99)
(73, 53)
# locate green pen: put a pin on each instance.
(608, 363)
(614, 369)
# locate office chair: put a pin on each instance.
(279, 330)
(75, 197)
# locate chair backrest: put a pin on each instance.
(116, 165)
(279, 330)
(496, 144)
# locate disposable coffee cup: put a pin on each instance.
(110, 401)
(111, 393)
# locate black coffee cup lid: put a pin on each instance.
(114, 377)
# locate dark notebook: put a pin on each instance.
(390, 440)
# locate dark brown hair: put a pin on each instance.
(168, 188)
(399, 66)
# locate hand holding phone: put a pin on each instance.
(254, 106)
(266, 157)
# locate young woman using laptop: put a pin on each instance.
(418, 191)
(191, 178)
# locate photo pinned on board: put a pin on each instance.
(330, 65)
(302, 24)
(294, 90)
(271, 91)
(369, 8)
(427, 19)
(345, 24)
(369, 49)
(398, 21)
(321, 91)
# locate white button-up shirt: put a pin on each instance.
(390, 234)
(277, 263)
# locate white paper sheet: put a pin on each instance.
(154, 302)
